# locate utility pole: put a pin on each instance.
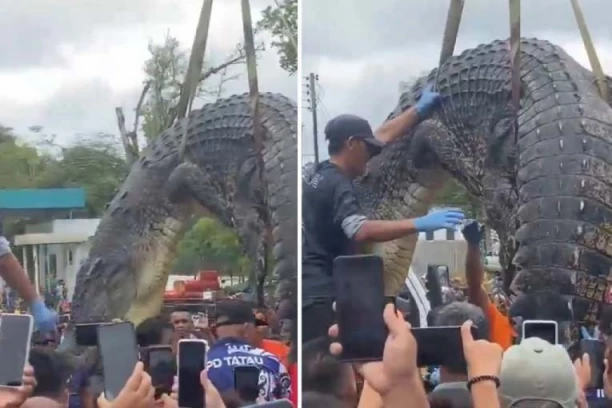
(312, 79)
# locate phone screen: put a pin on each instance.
(439, 346)
(246, 382)
(119, 353)
(86, 334)
(15, 337)
(596, 349)
(541, 329)
(191, 362)
(160, 366)
(360, 301)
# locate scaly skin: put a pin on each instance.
(544, 185)
(129, 262)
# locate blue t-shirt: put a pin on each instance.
(226, 354)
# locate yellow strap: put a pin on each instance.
(600, 77)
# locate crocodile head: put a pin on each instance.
(127, 267)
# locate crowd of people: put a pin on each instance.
(238, 334)
(501, 367)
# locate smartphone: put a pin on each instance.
(160, 362)
(246, 382)
(360, 301)
(119, 354)
(86, 335)
(544, 329)
(439, 346)
(596, 349)
(191, 361)
(283, 403)
(15, 337)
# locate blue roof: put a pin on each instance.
(42, 199)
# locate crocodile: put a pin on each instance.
(127, 268)
(542, 173)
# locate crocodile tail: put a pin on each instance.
(279, 118)
(564, 235)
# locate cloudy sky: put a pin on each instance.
(66, 64)
(362, 49)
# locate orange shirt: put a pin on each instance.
(293, 374)
(502, 331)
(277, 348)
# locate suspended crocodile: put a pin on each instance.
(545, 186)
(131, 252)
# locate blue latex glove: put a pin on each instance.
(45, 319)
(428, 102)
(439, 219)
(473, 233)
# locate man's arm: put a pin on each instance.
(398, 126)
(474, 269)
(14, 275)
(356, 226)
(401, 124)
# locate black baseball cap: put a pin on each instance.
(342, 127)
(232, 312)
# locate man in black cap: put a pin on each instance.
(332, 221)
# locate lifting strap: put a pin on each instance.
(453, 20)
(600, 77)
(515, 53)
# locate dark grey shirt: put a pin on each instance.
(455, 392)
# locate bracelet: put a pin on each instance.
(482, 378)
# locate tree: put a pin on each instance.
(454, 194)
(93, 163)
(281, 22)
(211, 245)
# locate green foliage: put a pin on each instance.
(281, 22)
(454, 194)
(211, 245)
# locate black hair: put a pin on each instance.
(455, 314)
(150, 331)
(52, 371)
(318, 400)
(321, 371)
(335, 147)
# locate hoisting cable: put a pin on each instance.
(194, 70)
(453, 21)
(600, 77)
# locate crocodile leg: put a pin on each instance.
(250, 228)
(188, 181)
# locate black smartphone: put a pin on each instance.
(439, 346)
(119, 354)
(283, 403)
(596, 349)
(86, 335)
(160, 363)
(15, 337)
(360, 301)
(246, 382)
(191, 362)
(544, 329)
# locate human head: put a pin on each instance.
(351, 143)
(542, 305)
(234, 318)
(455, 314)
(52, 371)
(182, 322)
(153, 331)
(536, 371)
(317, 400)
(324, 373)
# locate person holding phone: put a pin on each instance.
(15, 277)
(333, 223)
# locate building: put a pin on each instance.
(54, 250)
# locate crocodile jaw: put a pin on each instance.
(153, 265)
(397, 254)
